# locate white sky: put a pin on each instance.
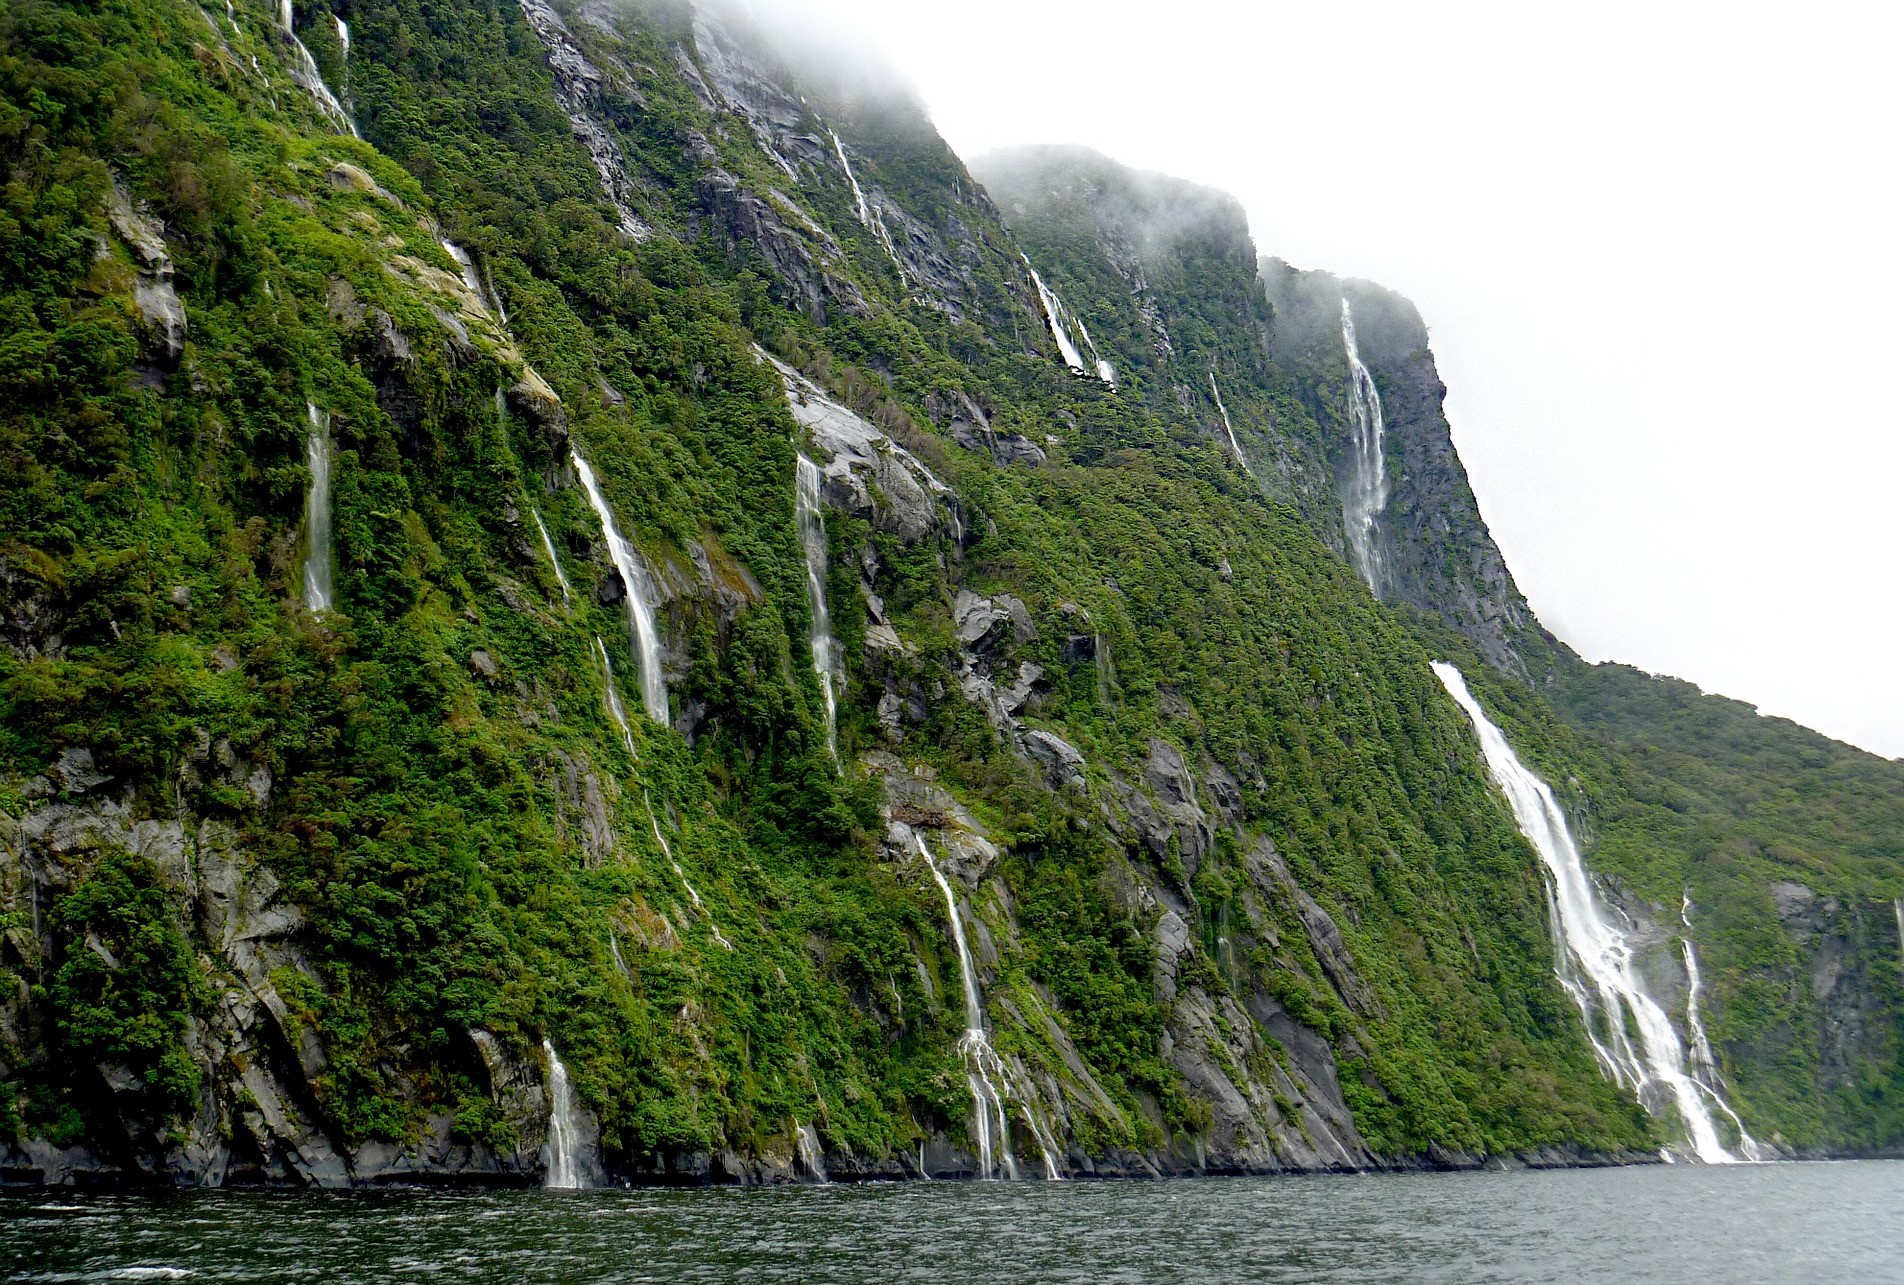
(1658, 246)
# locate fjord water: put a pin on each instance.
(1742, 1225)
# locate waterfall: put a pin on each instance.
(1704, 1067)
(1596, 958)
(548, 545)
(809, 1144)
(638, 595)
(1366, 493)
(317, 512)
(558, 1150)
(806, 510)
(1228, 432)
(616, 710)
(304, 71)
(1062, 322)
(983, 1069)
(1898, 906)
(681, 874)
(466, 266)
(869, 215)
(343, 36)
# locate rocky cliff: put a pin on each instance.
(639, 582)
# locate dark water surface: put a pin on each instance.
(1816, 1222)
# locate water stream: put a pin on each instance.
(638, 595)
(693, 896)
(616, 710)
(806, 510)
(559, 1148)
(1228, 431)
(317, 512)
(1594, 958)
(1365, 492)
(548, 545)
(868, 212)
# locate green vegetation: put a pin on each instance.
(426, 784)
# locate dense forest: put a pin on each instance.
(567, 564)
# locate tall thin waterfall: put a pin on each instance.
(1063, 322)
(1366, 493)
(681, 874)
(806, 511)
(639, 596)
(548, 546)
(317, 512)
(1595, 959)
(616, 710)
(1704, 1067)
(1228, 432)
(984, 1072)
(466, 266)
(343, 36)
(1898, 906)
(304, 71)
(558, 1149)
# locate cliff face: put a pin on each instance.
(611, 579)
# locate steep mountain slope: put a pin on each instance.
(416, 706)
(1783, 846)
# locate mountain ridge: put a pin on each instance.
(1128, 760)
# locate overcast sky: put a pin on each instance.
(1657, 246)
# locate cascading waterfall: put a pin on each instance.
(1898, 906)
(1229, 432)
(304, 71)
(343, 36)
(548, 546)
(558, 1150)
(983, 1069)
(616, 710)
(1062, 322)
(317, 512)
(1595, 959)
(693, 896)
(806, 510)
(638, 595)
(1366, 493)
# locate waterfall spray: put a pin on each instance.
(806, 509)
(317, 512)
(1595, 960)
(638, 595)
(1366, 492)
(558, 1150)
